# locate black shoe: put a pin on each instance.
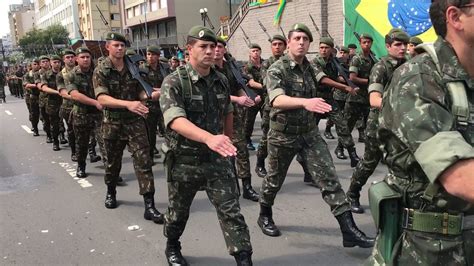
(351, 235)
(243, 258)
(155, 151)
(339, 151)
(81, 170)
(49, 139)
(328, 134)
(266, 223)
(151, 213)
(73, 157)
(56, 146)
(260, 168)
(307, 178)
(353, 155)
(361, 136)
(110, 198)
(35, 132)
(173, 254)
(250, 146)
(248, 191)
(119, 179)
(94, 158)
(62, 139)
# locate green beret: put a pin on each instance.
(83, 49)
(55, 57)
(221, 40)
(366, 36)
(398, 35)
(327, 40)
(153, 49)
(278, 37)
(415, 40)
(68, 51)
(300, 27)
(36, 60)
(351, 45)
(202, 33)
(174, 58)
(114, 36)
(130, 51)
(43, 57)
(255, 46)
(344, 49)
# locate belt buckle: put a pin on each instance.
(407, 220)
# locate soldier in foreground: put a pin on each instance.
(427, 134)
(45, 65)
(124, 125)
(198, 115)
(396, 43)
(292, 87)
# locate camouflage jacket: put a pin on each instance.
(286, 77)
(254, 72)
(29, 78)
(67, 104)
(380, 76)
(81, 81)
(49, 78)
(418, 131)
(263, 72)
(324, 68)
(361, 66)
(43, 96)
(204, 101)
(154, 77)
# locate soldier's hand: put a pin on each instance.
(155, 95)
(99, 106)
(258, 99)
(137, 107)
(245, 101)
(352, 91)
(317, 105)
(222, 145)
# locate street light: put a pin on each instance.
(203, 12)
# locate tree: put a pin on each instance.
(40, 41)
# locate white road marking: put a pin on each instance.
(27, 129)
(71, 170)
(8, 112)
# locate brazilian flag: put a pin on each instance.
(377, 17)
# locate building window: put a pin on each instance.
(154, 5)
(115, 16)
(162, 30)
(130, 13)
(136, 10)
(115, 29)
(171, 28)
(163, 4)
(113, 2)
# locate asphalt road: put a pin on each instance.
(49, 217)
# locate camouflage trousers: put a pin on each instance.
(53, 113)
(282, 148)
(425, 249)
(353, 112)
(342, 129)
(65, 114)
(242, 161)
(132, 133)
(250, 117)
(46, 120)
(154, 120)
(34, 111)
(265, 125)
(217, 179)
(86, 124)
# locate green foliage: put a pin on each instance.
(40, 41)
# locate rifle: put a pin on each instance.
(239, 77)
(264, 30)
(131, 61)
(282, 31)
(102, 17)
(371, 54)
(247, 40)
(336, 63)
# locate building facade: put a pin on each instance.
(21, 18)
(64, 12)
(97, 17)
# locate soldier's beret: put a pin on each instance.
(68, 51)
(130, 51)
(202, 33)
(153, 49)
(278, 37)
(221, 40)
(255, 46)
(174, 58)
(398, 35)
(55, 57)
(83, 49)
(415, 40)
(43, 57)
(164, 60)
(114, 36)
(300, 27)
(366, 36)
(351, 45)
(345, 49)
(36, 60)
(327, 40)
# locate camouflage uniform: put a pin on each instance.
(53, 103)
(43, 100)
(19, 82)
(34, 116)
(379, 77)
(358, 105)
(86, 119)
(254, 72)
(122, 128)
(421, 138)
(2, 86)
(191, 165)
(295, 131)
(66, 109)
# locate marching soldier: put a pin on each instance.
(43, 96)
(30, 85)
(414, 41)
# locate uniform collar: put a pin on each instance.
(195, 76)
(450, 65)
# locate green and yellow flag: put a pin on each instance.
(377, 17)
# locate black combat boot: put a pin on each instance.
(351, 235)
(353, 195)
(266, 223)
(243, 258)
(156, 153)
(49, 139)
(56, 145)
(353, 155)
(248, 191)
(35, 132)
(361, 136)
(93, 155)
(339, 151)
(81, 170)
(260, 168)
(110, 197)
(151, 213)
(173, 253)
(328, 134)
(62, 139)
